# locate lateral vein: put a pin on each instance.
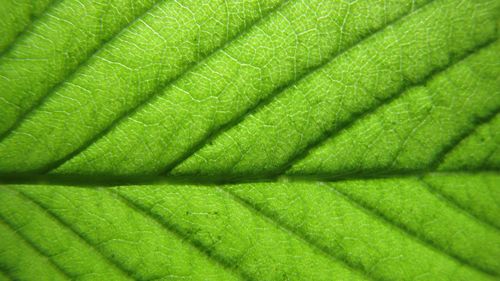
(264, 102)
(37, 249)
(42, 100)
(412, 234)
(155, 93)
(28, 27)
(439, 159)
(333, 132)
(455, 205)
(120, 267)
(301, 236)
(219, 260)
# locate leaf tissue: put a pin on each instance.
(249, 140)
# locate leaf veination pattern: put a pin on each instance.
(116, 162)
(22, 23)
(49, 25)
(52, 265)
(235, 120)
(433, 161)
(255, 140)
(87, 62)
(84, 62)
(465, 209)
(82, 237)
(421, 238)
(153, 95)
(241, 191)
(70, 94)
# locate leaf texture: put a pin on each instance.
(249, 140)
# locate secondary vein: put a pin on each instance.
(56, 218)
(277, 92)
(42, 100)
(315, 245)
(28, 27)
(334, 131)
(200, 247)
(37, 249)
(412, 234)
(454, 204)
(439, 159)
(155, 93)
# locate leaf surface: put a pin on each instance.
(254, 140)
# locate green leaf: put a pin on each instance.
(254, 140)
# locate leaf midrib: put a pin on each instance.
(94, 181)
